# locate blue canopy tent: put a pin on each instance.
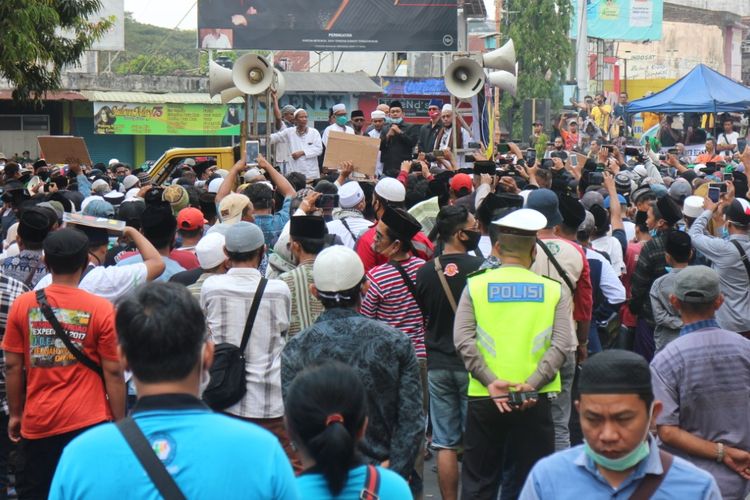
(703, 90)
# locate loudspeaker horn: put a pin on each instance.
(464, 78)
(252, 74)
(279, 83)
(230, 94)
(503, 59)
(219, 78)
(504, 80)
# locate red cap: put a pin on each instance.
(461, 181)
(190, 219)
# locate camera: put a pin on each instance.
(415, 167)
(328, 201)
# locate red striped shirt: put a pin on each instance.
(389, 300)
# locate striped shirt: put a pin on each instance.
(226, 300)
(10, 290)
(305, 307)
(388, 299)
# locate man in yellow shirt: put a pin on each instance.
(601, 113)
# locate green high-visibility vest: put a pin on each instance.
(515, 311)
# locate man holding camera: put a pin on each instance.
(512, 330)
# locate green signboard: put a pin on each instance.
(167, 119)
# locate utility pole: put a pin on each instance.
(498, 44)
(582, 51)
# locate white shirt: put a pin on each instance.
(282, 153)
(465, 138)
(212, 41)
(335, 128)
(309, 143)
(358, 225)
(379, 165)
(725, 138)
(612, 247)
(485, 245)
(111, 283)
(612, 287)
(226, 300)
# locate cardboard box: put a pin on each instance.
(65, 149)
(362, 151)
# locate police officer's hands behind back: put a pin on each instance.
(499, 390)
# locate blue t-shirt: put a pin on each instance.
(208, 454)
(171, 268)
(272, 225)
(313, 486)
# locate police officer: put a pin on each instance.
(512, 330)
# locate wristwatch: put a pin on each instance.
(719, 452)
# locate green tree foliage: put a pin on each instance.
(32, 50)
(539, 29)
(151, 50)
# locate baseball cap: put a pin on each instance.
(461, 181)
(190, 219)
(99, 208)
(243, 237)
(692, 207)
(679, 190)
(337, 269)
(210, 250)
(232, 206)
(546, 203)
(620, 198)
(696, 284)
(390, 189)
(350, 194)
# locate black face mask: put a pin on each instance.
(473, 239)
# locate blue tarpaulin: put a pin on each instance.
(703, 90)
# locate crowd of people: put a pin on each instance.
(546, 328)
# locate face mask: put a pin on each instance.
(341, 120)
(205, 377)
(397, 121)
(44, 175)
(388, 120)
(120, 178)
(724, 232)
(653, 233)
(473, 239)
(625, 462)
(434, 114)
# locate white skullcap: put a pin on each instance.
(390, 189)
(350, 194)
(447, 108)
(113, 161)
(298, 111)
(692, 206)
(100, 186)
(210, 250)
(214, 185)
(338, 107)
(337, 269)
(377, 114)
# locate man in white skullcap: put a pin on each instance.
(339, 124)
(444, 138)
(304, 145)
(349, 222)
(378, 122)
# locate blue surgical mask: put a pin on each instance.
(388, 120)
(724, 232)
(341, 120)
(627, 461)
(653, 233)
(397, 121)
(668, 269)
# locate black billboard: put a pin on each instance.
(335, 25)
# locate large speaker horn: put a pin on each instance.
(252, 74)
(279, 83)
(503, 59)
(464, 78)
(504, 80)
(219, 78)
(230, 94)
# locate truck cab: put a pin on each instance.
(162, 168)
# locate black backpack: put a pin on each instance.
(227, 385)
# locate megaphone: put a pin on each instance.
(33, 183)
(503, 58)
(219, 78)
(230, 94)
(279, 83)
(464, 78)
(252, 74)
(504, 80)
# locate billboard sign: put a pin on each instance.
(625, 20)
(329, 25)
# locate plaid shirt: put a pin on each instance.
(10, 289)
(650, 266)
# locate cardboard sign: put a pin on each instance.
(64, 149)
(362, 151)
(111, 225)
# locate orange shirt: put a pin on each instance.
(62, 395)
(707, 157)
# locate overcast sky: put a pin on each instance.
(168, 13)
